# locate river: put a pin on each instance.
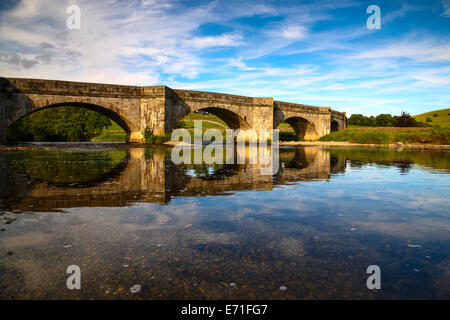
(128, 217)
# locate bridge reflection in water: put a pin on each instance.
(149, 175)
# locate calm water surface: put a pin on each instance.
(128, 216)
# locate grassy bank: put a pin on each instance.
(437, 117)
(114, 133)
(391, 135)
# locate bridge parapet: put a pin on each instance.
(38, 86)
(302, 107)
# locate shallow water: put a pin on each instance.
(129, 216)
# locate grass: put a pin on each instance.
(199, 116)
(112, 134)
(391, 135)
(442, 117)
(189, 124)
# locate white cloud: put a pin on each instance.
(294, 32)
(425, 51)
(224, 40)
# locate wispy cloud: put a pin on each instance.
(446, 5)
(316, 53)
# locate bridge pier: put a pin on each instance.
(135, 137)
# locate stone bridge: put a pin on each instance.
(159, 108)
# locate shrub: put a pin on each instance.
(428, 119)
(151, 138)
(288, 136)
(435, 115)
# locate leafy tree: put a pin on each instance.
(384, 120)
(369, 121)
(59, 124)
(356, 120)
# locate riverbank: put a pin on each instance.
(169, 144)
(397, 145)
(391, 135)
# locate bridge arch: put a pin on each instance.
(22, 112)
(186, 102)
(335, 126)
(303, 128)
(232, 120)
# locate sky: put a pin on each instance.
(312, 52)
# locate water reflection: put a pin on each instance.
(129, 216)
(121, 177)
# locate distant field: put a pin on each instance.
(116, 134)
(442, 117)
(113, 134)
(376, 135)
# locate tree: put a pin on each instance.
(356, 120)
(405, 120)
(384, 120)
(369, 121)
(59, 124)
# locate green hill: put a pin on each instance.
(115, 133)
(438, 117)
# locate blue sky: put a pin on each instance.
(312, 52)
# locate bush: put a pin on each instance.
(288, 136)
(435, 115)
(428, 119)
(151, 138)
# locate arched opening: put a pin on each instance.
(334, 126)
(222, 118)
(286, 132)
(212, 118)
(297, 129)
(71, 122)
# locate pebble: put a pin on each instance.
(283, 288)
